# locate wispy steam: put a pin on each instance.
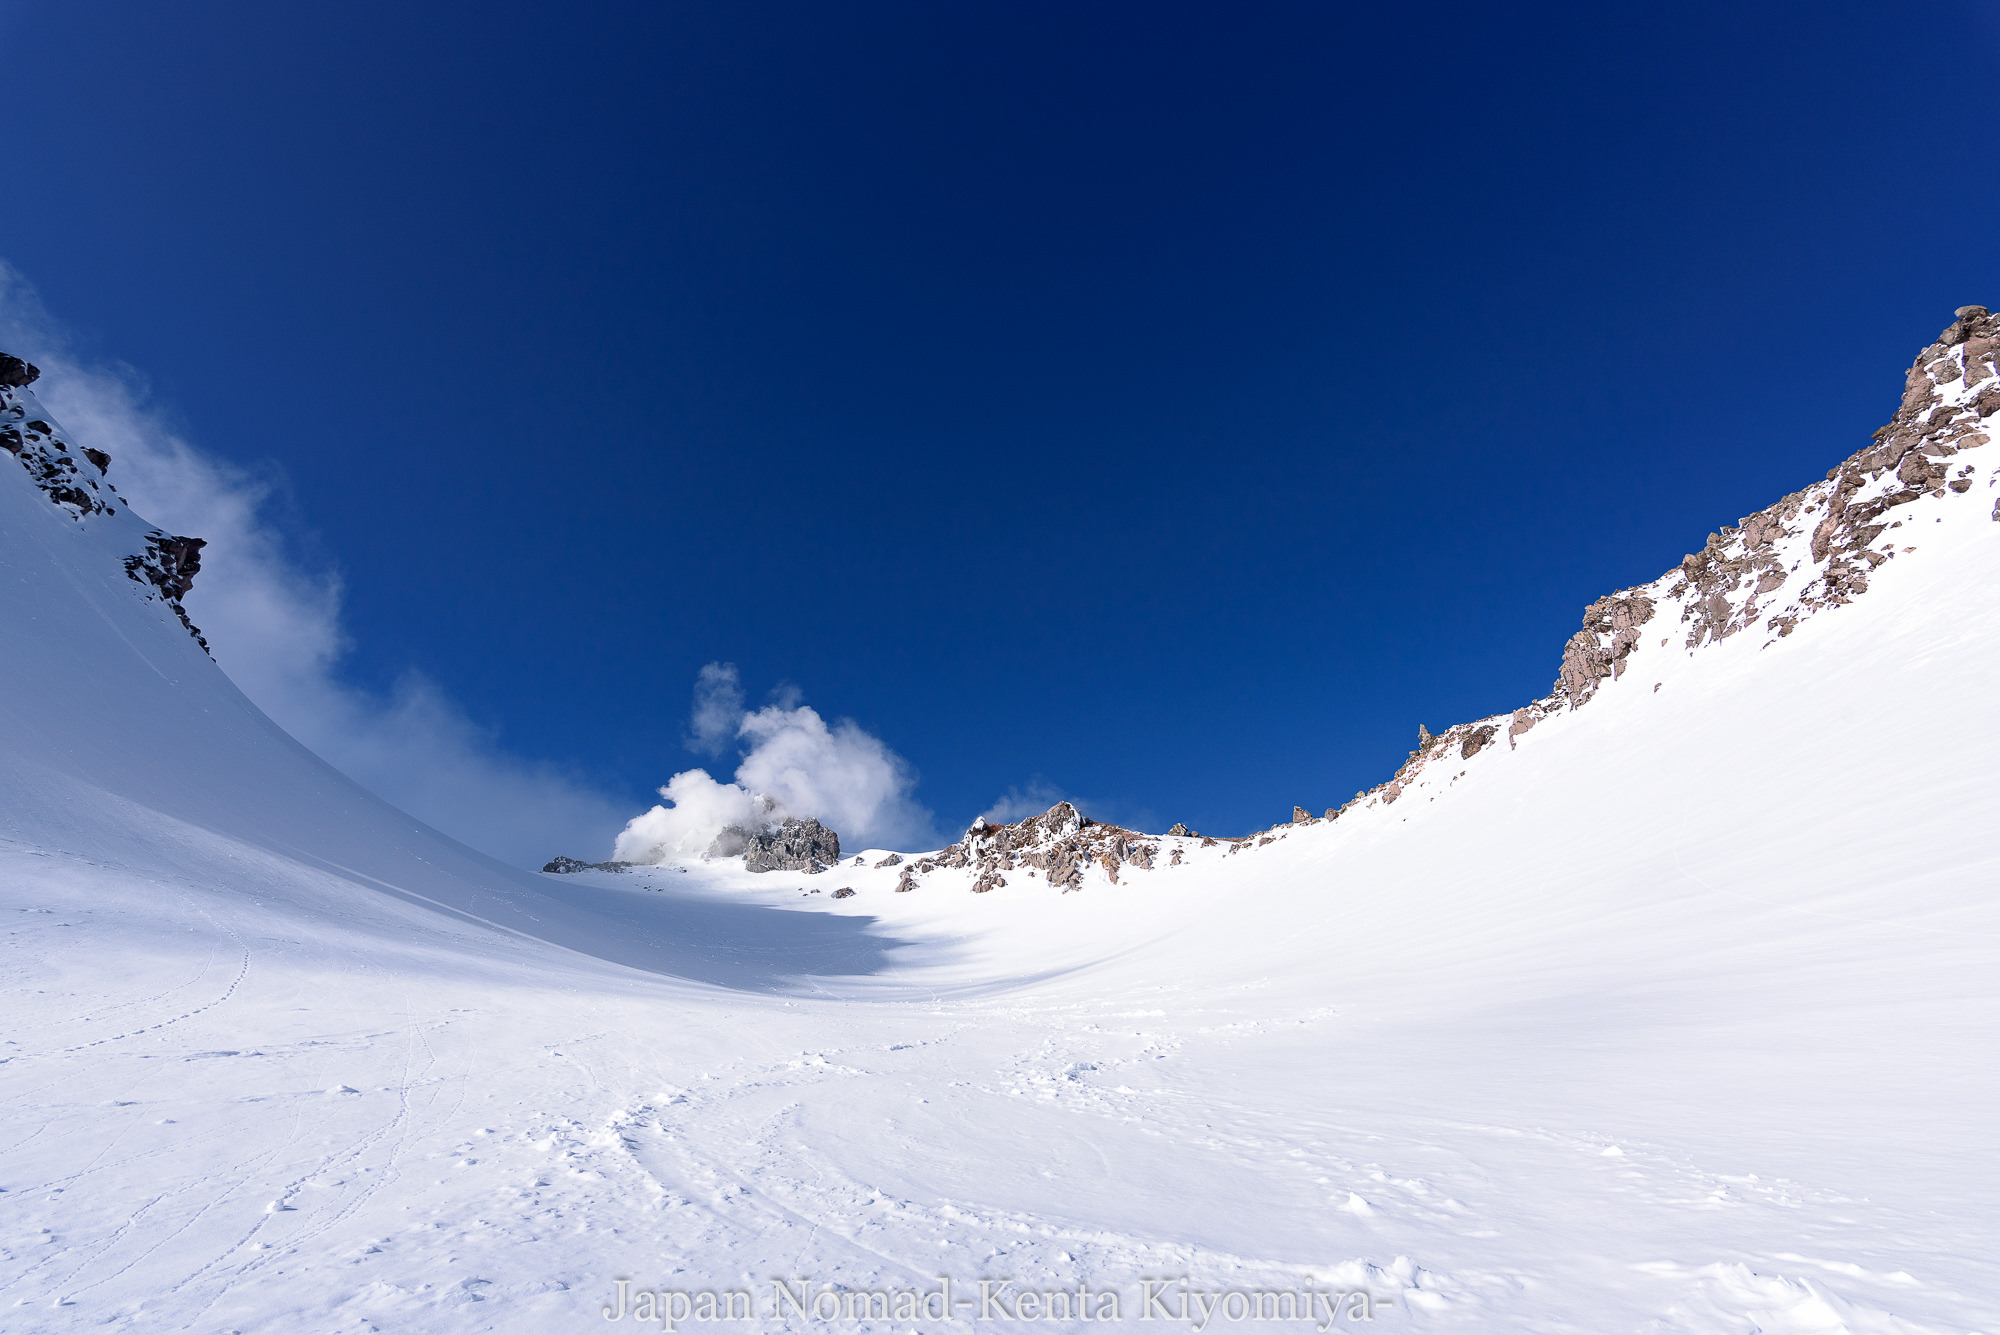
(718, 709)
(275, 626)
(1029, 799)
(793, 764)
(1038, 795)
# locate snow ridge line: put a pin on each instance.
(1805, 554)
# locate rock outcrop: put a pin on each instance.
(17, 374)
(74, 479)
(170, 564)
(560, 866)
(41, 446)
(1060, 844)
(797, 845)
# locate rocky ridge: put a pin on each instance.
(76, 481)
(1805, 554)
(1060, 844)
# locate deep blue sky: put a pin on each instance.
(1178, 402)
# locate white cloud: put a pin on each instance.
(275, 626)
(794, 764)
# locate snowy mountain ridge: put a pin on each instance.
(167, 563)
(1805, 554)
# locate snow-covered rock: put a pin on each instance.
(81, 491)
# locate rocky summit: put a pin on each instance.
(797, 845)
(1060, 843)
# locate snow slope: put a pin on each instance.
(1677, 1015)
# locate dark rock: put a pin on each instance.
(15, 373)
(1179, 830)
(98, 457)
(893, 860)
(561, 866)
(170, 564)
(1477, 741)
(845, 892)
(797, 845)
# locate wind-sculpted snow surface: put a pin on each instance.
(1673, 1016)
